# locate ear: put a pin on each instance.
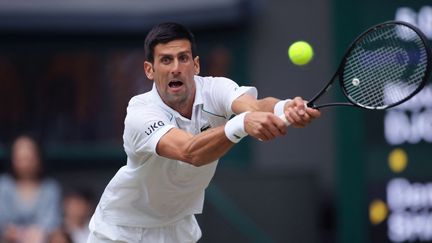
(148, 69)
(196, 65)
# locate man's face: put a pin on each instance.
(173, 72)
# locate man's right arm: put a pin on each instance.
(197, 150)
(213, 143)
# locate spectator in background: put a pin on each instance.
(78, 208)
(29, 202)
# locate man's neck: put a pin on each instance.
(185, 109)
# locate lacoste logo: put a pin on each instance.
(205, 127)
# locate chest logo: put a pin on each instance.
(205, 127)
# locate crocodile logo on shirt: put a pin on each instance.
(153, 127)
(205, 127)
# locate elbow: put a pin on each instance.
(198, 154)
(194, 160)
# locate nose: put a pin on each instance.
(176, 67)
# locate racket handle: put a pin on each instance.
(283, 118)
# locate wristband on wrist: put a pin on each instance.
(234, 128)
(279, 107)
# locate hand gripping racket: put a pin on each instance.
(384, 67)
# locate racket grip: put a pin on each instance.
(283, 118)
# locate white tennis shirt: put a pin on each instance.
(153, 191)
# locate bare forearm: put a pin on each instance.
(248, 103)
(197, 150)
(207, 146)
(267, 104)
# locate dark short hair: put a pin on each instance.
(164, 33)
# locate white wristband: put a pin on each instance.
(279, 107)
(279, 110)
(234, 128)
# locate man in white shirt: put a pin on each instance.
(173, 138)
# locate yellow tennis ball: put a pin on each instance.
(300, 53)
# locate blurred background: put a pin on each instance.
(68, 69)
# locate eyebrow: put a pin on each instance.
(171, 55)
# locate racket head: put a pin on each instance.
(385, 66)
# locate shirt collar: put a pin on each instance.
(198, 89)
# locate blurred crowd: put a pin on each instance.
(33, 206)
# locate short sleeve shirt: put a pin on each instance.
(150, 190)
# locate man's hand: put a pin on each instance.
(264, 125)
(298, 114)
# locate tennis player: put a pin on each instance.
(173, 138)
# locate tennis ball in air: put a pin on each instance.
(300, 53)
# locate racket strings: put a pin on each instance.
(373, 84)
(366, 92)
(385, 67)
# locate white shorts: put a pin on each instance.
(185, 230)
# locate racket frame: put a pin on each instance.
(341, 69)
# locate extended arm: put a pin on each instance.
(211, 144)
(197, 150)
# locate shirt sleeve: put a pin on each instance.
(225, 91)
(143, 132)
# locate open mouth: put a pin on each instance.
(175, 84)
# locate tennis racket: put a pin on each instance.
(384, 67)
